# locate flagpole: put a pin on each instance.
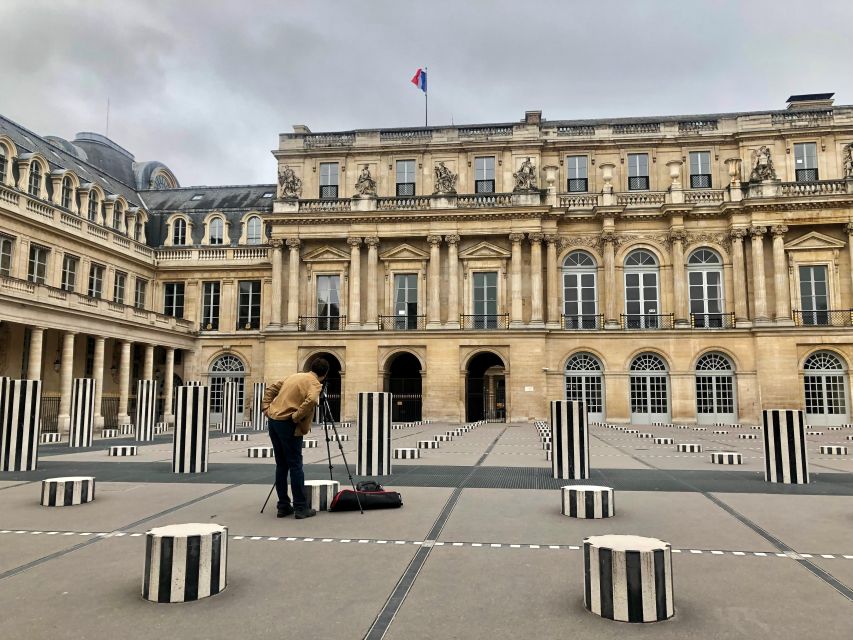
(426, 102)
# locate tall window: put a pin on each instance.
(67, 191)
(69, 272)
(485, 300)
(405, 177)
(35, 179)
(825, 386)
(700, 170)
(576, 167)
(249, 304)
(118, 213)
(715, 395)
(6, 244)
(805, 162)
(580, 299)
(217, 231)
(139, 293)
(119, 287)
(484, 174)
(328, 302)
(641, 290)
(4, 164)
(254, 230)
(96, 281)
(226, 368)
(584, 381)
(814, 295)
(210, 306)
(705, 281)
(329, 180)
(37, 265)
(649, 389)
(179, 232)
(406, 301)
(173, 302)
(94, 207)
(638, 171)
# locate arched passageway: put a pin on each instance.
(402, 377)
(334, 388)
(485, 388)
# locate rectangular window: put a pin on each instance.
(485, 300)
(96, 281)
(249, 304)
(406, 301)
(700, 170)
(329, 180)
(210, 306)
(638, 171)
(139, 294)
(173, 302)
(805, 162)
(37, 265)
(405, 177)
(814, 295)
(484, 174)
(119, 287)
(6, 244)
(328, 302)
(69, 272)
(576, 168)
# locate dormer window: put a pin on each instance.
(117, 215)
(196, 197)
(35, 179)
(217, 231)
(253, 230)
(93, 207)
(67, 189)
(4, 164)
(179, 232)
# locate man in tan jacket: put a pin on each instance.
(289, 404)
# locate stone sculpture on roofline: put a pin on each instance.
(365, 186)
(525, 177)
(290, 184)
(762, 165)
(445, 180)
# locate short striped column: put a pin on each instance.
(310, 443)
(185, 562)
(747, 436)
(442, 437)
(259, 420)
(785, 446)
(239, 437)
(588, 502)
(374, 434)
(428, 444)
(67, 492)
(646, 435)
(190, 444)
(726, 457)
(260, 452)
(109, 433)
(146, 408)
(81, 428)
(833, 450)
(121, 451)
(125, 429)
(569, 440)
(338, 437)
(628, 578)
(664, 441)
(48, 438)
(20, 405)
(407, 453)
(688, 448)
(320, 493)
(229, 407)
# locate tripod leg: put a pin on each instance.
(326, 430)
(343, 456)
(269, 495)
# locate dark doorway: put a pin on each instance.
(403, 380)
(485, 389)
(333, 384)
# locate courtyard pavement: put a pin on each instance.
(479, 550)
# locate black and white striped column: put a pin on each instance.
(259, 420)
(20, 405)
(588, 502)
(146, 408)
(569, 440)
(785, 446)
(192, 432)
(185, 562)
(428, 444)
(688, 448)
(67, 492)
(81, 428)
(122, 450)
(229, 407)
(628, 578)
(260, 452)
(320, 493)
(407, 453)
(374, 434)
(726, 457)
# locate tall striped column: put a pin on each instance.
(20, 404)
(785, 446)
(192, 431)
(259, 420)
(229, 407)
(82, 423)
(146, 409)
(374, 434)
(569, 440)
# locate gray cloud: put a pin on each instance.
(206, 86)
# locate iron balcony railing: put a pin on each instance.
(806, 175)
(638, 183)
(700, 181)
(484, 186)
(577, 185)
(581, 322)
(647, 321)
(712, 320)
(827, 318)
(405, 189)
(322, 323)
(484, 321)
(402, 323)
(328, 191)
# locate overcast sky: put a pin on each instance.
(205, 86)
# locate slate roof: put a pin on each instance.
(224, 198)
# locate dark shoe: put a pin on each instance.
(305, 512)
(284, 512)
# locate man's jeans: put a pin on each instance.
(288, 458)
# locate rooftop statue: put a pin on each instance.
(365, 185)
(445, 179)
(848, 161)
(290, 184)
(762, 165)
(525, 177)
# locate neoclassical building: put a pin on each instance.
(680, 268)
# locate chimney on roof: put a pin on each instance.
(301, 128)
(533, 117)
(810, 101)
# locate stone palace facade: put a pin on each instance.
(681, 268)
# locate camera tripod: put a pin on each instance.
(328, 421)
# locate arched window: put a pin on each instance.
(67, 190)
(226, 368)
(584, 381)
(35, 179)
(217, 231)
(825, 382)
(642, 304)
(4, 164)
(179, 232)
(705, 281)
(94, 207)
(253, 230)
(580, 293)
(649, 389)
(715, 389)
(118, 213)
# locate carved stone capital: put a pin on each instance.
(434, 240)
(757, 232)
(293, 243)
(536, 237)
(609, 237)
(516, 237)
(677, 235)
(354, 241)
(371, 241)
(778, 230)
(738, 235)
(276, 243)
(453, 238)
(551, 238)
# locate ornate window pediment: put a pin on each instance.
(814, 241)
(326, 254)
(404, 252)
(484, 250)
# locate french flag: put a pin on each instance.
(419, 80)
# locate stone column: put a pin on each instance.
(148, 363)
(168, 386)
(98, 375)
(275, 315)
(608, 239)
(354, 311)
(780, 276)
(536, 317)
(35, 354)
(552, 282)
(434, 307)
(759, 290)
(516, 306)
(739, 278)
(677, 237)
(453, 284)
(372, 284)
(848, 228)
(66, 374)
(124, 383)
(293, 284)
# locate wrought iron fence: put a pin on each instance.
(806, 175)
(406, 407)
(827, 318)
(329, 191)
(49, 414)
(322, 323)
(638, 183)
(401, 323)
(484, 321)
(647, 321)
(700, 181)
(109, 409)
(582, 321)
(577, 185)
(712, 320)
(484, 186)
(405, 189)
